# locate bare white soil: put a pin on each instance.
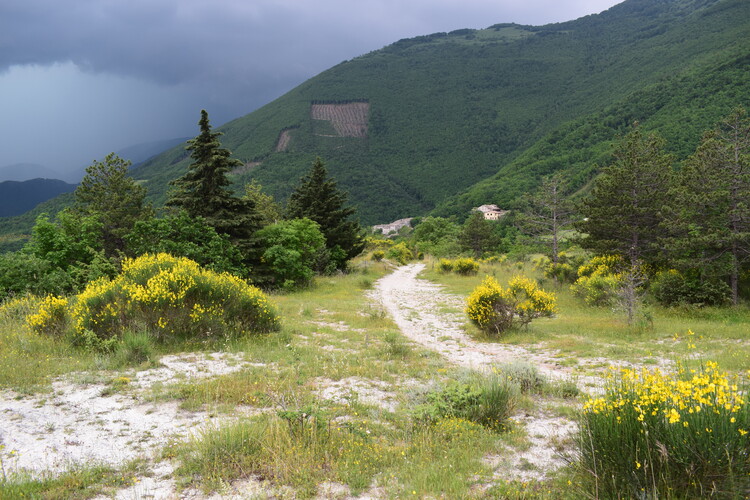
(96, 423)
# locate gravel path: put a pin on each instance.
(425, 313)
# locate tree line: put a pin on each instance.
(249, 235)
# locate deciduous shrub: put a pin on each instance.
(462, 266)
(671, 288)
(465, 267)
(667, 435)
(378, 255)
(290, 249)
(400, 253)
(171, 296)
(495, 309)
(445, 265)
(566, 268)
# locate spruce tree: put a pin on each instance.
(713, 204)
(204, 189)
(318, 198)
(623, 213)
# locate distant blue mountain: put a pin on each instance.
(26, 171)
(18, 197)
(137, 154)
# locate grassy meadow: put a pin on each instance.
(340, 396)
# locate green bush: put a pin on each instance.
(400, 253)
(169, 297)
(290, 250)
(184, 236)
(524, 374)
(488, 401)
(671, 288)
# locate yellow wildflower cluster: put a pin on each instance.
(653, 393)
(19, 307)
(495, 309)
(668, 435)
(171, 296)
(494, 259)
(50, 317)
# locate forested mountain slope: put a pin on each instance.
(416, 125)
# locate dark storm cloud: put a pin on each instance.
(87, 76)
(246, 44)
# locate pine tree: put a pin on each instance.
(114, 198)
(713, 204)
(623, 213)
(318, 199)
(204, 190)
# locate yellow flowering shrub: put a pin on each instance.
(171, 296)
(495, 309)
(445, 265)
(50, 317)
(598, 280)
(464, 266)
(688, 429)
(18, 308)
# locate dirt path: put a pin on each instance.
(427, 315)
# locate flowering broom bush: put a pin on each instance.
(464, 266)
(495, 309)
(668, 435)
(50, 317)
(598, 280)
(171, 296)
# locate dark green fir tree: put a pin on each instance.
(713, 205)
(204, 190)
(623, 214)
(318, 198)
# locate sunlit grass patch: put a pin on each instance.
(29, 360)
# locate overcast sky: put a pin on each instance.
(81, 78)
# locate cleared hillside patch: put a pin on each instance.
(348, 119)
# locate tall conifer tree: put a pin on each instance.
(114, 198)
(204, 190)
(713, 204)
(623, 213)
(318, 199)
